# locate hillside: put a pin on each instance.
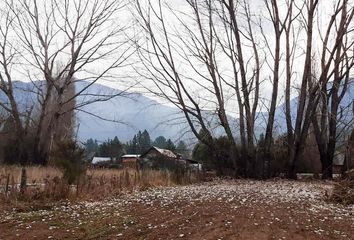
(134, 111)
(130, 113)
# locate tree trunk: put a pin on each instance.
(23, 183)
(327, 166)
(293, 159)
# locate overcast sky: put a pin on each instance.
(125, 76)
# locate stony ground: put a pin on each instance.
(239, 209)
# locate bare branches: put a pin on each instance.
(220, 47)
(166, 76)
(60, 42)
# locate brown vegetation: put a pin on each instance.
(343, 191)
(47, 183)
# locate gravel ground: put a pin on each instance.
(240, 209)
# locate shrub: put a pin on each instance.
(343, 191)
(221, 160)
(69, 157)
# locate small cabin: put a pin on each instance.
(130, 160)
(159, 158)
(103, 161)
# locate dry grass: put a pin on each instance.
(46, 183)
(343, 191)
(35, 174)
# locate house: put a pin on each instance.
(166, 159)
(102, 160)
(310, 162)
(130, 160)
(158, 158)
(156, 152)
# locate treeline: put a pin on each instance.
(221, 160)
(139, 144)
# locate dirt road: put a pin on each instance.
(239, 209)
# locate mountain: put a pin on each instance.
(345, 105)
(132, 112)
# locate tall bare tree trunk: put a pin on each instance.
(304, 114)
(326, 125)
(278, 29)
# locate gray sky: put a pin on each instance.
(125, 76)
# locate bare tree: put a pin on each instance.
(312, 84)
(328, 119)
(8, 54)
(291, 40)
(305, 108)
(62, 43)
(247, 90)
(279, 27)
(158, 60)
(210, 48)
(206, 41)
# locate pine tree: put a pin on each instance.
(182, 149)
(91, 146)
(117, 149)
(170, 145)
(145, 142)
(140, 143)
(160, 142)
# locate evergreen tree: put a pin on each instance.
(182, 149)
(160, 142)
(104, 150)
(144, 142)
(132, 146)
(111, 148)
(170, 145)
(117, 149)
(140, 143)
(202, 154)
(91, 146)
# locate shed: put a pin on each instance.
(155, 151)
(97, 160)
(130, 160)
(163, 158)
(159, 158)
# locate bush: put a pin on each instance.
(69, 157)
(221, 160)
(343, 191)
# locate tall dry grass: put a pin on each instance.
(47, 182)
(35, 174)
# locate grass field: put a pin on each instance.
(46, 183)
(39, 174)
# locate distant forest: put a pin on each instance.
(139, 144)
